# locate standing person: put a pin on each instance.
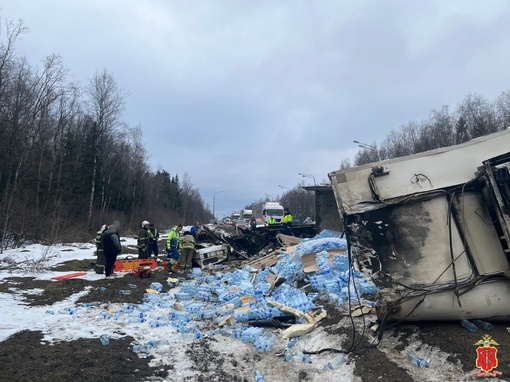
(152, 245)
(187, 248)
(143, 240)
(271, 221)
(111, 248)
(194, 229)
(253, 223)
(100, 261)
(172, 246)
(287, 222)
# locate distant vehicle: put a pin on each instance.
(246, 215)
(264, 210)
(235, 218)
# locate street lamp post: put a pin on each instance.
(365, 145)
(308, 176)
(214, 202)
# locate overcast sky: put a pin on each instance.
(244, 95)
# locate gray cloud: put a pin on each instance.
(268, 89)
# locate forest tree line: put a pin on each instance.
(474, 117)
(69, 162)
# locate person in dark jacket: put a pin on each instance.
(111, 248)
(143, 240)
(152, 245)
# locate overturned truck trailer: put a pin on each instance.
(434, 230)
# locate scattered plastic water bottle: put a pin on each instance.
(303, 357)
(192, 336)
(336, 362)
(226, 332)
(132, 286)
(104, 339)
(136, 319)
(469, 326)
(288, 355)
(182, 296)
(483, 325)
(258, 376)
(292, 342)
(102, 289)
(417, 360)
(141, 348)
(69, 311)
(50, 312)
(160, 342)
(159, 323)
(156, 286)
(124, 291)
(89, 304)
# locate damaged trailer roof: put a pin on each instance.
(433, 230)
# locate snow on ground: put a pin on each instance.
(88, 322)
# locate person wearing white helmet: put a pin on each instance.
(143, 240)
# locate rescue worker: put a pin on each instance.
(152, 245)
(100, 261)
(287, 222)
(187, 245)
(111, 248)
(172, 246)
(271, 220)
(143, 240)
(194, 229)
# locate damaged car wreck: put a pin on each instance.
(216, 244)
(433, 229)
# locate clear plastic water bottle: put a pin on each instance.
(141, 348)
(159, 323)
(124, 291)
(336, 362)
(288, 355)
(50, 312)
(69, 311)
(156, 286)
(104, 339)
(483, 325)
(303, 357)
(160, 342)
(415, 359)
(89, 304)
(469, 326)
(292, 343)
(226, 332)
(258, 376)
(132, 286)
(136, 320)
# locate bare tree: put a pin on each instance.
(105, 105)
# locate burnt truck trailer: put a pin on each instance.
(433, 229)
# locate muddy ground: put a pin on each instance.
(26, 357)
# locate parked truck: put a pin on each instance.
(264, 210)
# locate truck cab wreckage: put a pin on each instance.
(433, 229)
